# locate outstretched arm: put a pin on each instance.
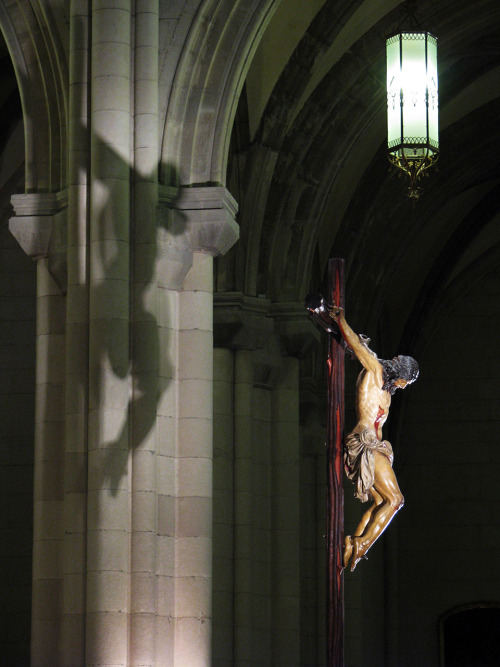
(367, 358)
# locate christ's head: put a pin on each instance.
(399, 372)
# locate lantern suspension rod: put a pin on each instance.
(409, 19)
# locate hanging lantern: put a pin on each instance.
(412, 104)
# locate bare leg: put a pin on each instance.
(377, 500)
(379, 517)
(348, 542)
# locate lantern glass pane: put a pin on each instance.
(393, 91)
(414, 84)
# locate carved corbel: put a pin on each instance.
(193, 219)
(40, 228)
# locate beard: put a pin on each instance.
(390, 386)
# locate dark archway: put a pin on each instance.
(469, 636)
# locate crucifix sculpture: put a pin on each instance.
(367, 458)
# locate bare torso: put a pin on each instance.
(372, 402)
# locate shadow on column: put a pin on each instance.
(138, 365)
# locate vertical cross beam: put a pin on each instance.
(335, 491)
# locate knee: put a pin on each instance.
(396, 501)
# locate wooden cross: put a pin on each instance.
(318, 309)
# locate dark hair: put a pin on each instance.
(399, 368)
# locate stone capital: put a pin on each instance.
(34, 221)
(201, 218)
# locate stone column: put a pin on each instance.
(123, 552)
(285, 449)
(244, 521)
(193, 469)
(256, 374)
(223, 489)
(47, 596)
(184, 475)
(200, 223)
(313, 504)
(313, 516)
(108, 510)
(165, 464)
(77, 331)
(267, 340)
(245, 456)
(145, 339)
(33, 226)
(297, 335)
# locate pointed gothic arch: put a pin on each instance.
(41, 71)
(212, 68)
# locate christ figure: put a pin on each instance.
(367, 457)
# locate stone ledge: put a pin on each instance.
(245, 322)
(39, 203)
(241, 322)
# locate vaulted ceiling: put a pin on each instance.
(309, 167)
(309, 170)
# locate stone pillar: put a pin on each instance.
(184, 473)
(193, 469)
(108, 509)
(313, 504)
(244, 516)
(297, 336)
(285, 449)
(223, 489)
(198, 224)
(242, 480)
(265, 341)
(77, 332)
(256, 558)
(37, 216)
(47, 595)
(168, 321)
(145, 339)
(123, 556)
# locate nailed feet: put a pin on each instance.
(347, 550)
(355, 549)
